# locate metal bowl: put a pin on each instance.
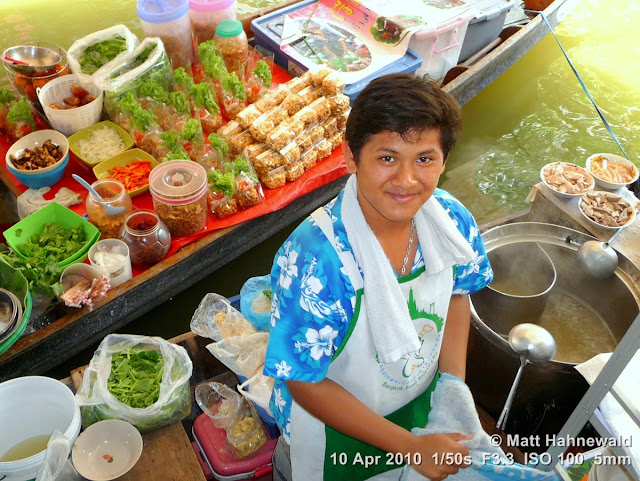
(42, 58)
(10, 313)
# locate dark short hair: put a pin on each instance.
(403, 103)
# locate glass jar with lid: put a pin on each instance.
(108, 214)
(147, 236)
(178, 189)
(233, 46)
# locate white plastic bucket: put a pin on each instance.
(34, 406)
(69, 121)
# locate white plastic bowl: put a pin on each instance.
(36, 139)
(106, 450)
(612, 158)
(565, 195)
(631, 220)
(33, 406)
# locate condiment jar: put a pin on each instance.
(147, 236)
(169, 20)
(114, 195)
(178, 189)
(207, 14)
(233, 46)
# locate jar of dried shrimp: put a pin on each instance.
(109, 213)
(233, 46)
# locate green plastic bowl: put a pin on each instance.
(85, 133)
(53, 213)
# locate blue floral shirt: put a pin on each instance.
(314, 300)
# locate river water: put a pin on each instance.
(536, 112)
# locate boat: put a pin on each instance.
(59, 335)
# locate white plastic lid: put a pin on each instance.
(162, 11)
(210, 5)
(178, 182)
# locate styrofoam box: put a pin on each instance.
(268, 30)
(486, 26)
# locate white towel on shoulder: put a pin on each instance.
(443, 246)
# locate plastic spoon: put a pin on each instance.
(533, 343)
(110, 209)
(13, 60)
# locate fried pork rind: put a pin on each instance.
(268, 161)
(309, 158)
(332, 84)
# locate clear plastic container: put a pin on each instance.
(233, 45)
(109, 214)
(207, 14)
(111, 257)
(178, 189)
(169, 20)
(147, 236)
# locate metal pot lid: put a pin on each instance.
(10, 312)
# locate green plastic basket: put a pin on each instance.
(53, 213)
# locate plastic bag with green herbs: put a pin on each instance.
(139, 379)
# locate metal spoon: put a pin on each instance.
(598, 258)
(109, 209)
(533, 343)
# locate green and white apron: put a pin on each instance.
(399, 391)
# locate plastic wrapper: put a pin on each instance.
(318, 75)
(296, 126)
(316, 133)
(252, 151)
(32, 200)
(248, 189)
(255, 301)
(309, 94)
(20, 121)
(108, 63)
(259, 75)
(262, 127)
(281, 137)
(330, 126)
(336, 140)
(309, 158)
(215, 318)
(57, 464)
(293, 103)
(232, 95)
(267, 161)
(229, 411)
(257, 389)
(242, 354)
(291, 153)
(324, 149)
(274, 178)
(304, 142)
(238, 143)
(209, 158)
(296, 84)
(308, 116)
(273, 98)
(6, 99)
(221, 195)
(322, 108)
(247, 115)
(333, 84)
(174, 401)
(342, 120)
(294, 170)
(339, 104)
(230, 130)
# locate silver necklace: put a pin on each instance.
(406, 256)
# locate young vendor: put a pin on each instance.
(371, 298)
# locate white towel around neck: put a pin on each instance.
(443, 246)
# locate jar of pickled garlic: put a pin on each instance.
(147, 236)
(109, 213)
(178, 189)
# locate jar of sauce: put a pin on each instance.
(147, 236)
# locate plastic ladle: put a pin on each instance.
(13, 60)
(532, 343)
(110, 209)
(598, 258)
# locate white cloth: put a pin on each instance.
(442, 246)
(32, 200)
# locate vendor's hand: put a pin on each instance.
(442, 455)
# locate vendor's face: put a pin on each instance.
(396, 176)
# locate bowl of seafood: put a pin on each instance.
(612, 171)
(606, 210)
(566, 180)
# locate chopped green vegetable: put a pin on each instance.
(263, 72)
(222, 182)
(135, 377)
(151, 88)
(180, 102)
(202, 96)
(207, 50)
(95, 56)
(176, 154)
(21, 112)
(268, 293)
(6, 96)
(143, 56)
(192, 131)
(128, 104)
(142, 119)
(242, 165)
(236, 86)
(171, 139)
(214, 67)
(182, 78)
(219, 144)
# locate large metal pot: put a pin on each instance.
(548, 392)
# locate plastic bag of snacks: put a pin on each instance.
(215, 318)
(139, 379)
(255, 301)
(95, 57)
(229, 411)
(242, 354)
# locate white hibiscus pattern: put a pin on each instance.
(282, 369)
(279, 401)
(310, 288)
(319, 343)
(288, 267)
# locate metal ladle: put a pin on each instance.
(109, 209)
(598, 258)
(533, 343)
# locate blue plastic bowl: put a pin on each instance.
(47, 176)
